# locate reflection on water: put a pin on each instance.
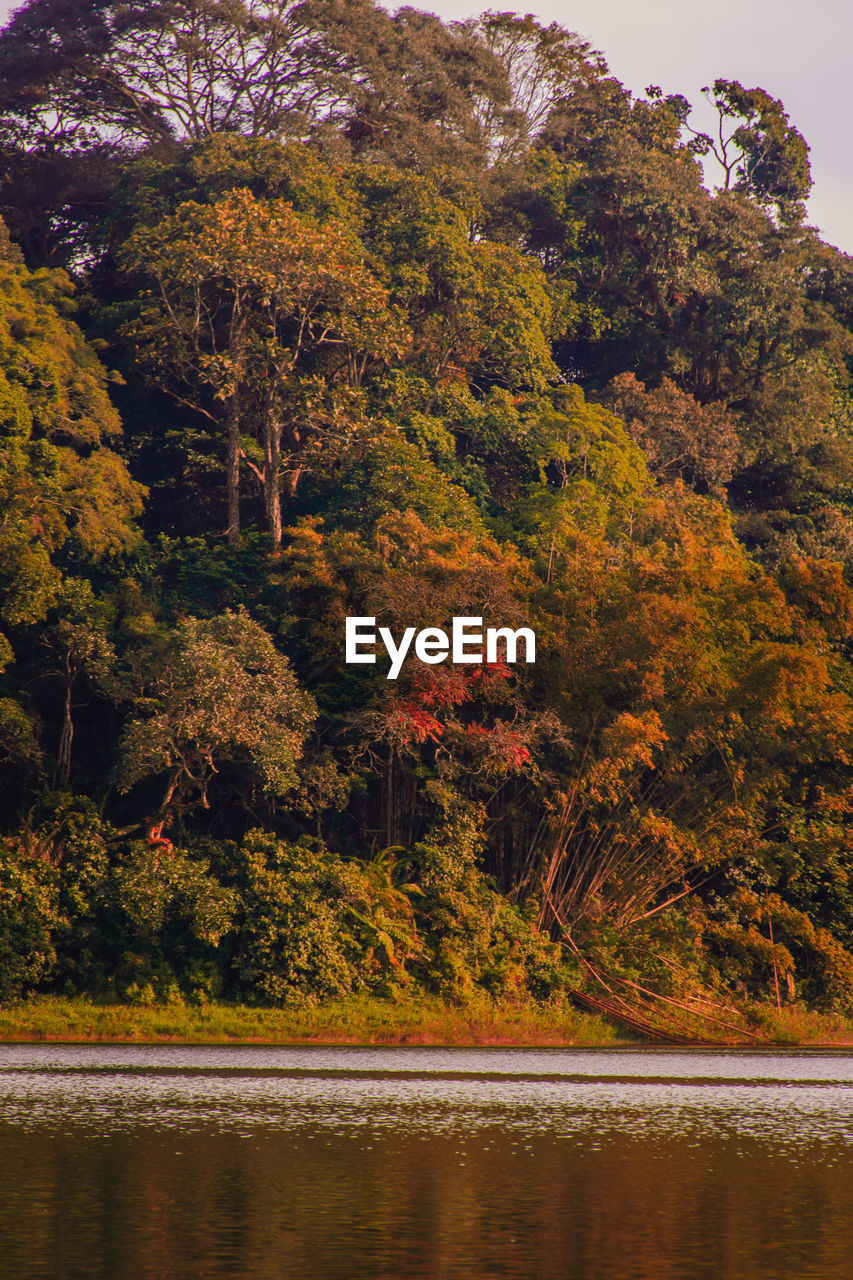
(137, 1163)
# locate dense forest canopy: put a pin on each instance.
(310, 311)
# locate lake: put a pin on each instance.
(159, 1163)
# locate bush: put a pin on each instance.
(312, 926)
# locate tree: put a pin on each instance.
(681, 438)
(757, 148)
(478, 310)
(260, 311)
(85, 83)
(591, 478)
(413, 94)
(618, 216)
(694, 703)
(220, 695)
(77, 635)
(62, 487)
(542, 65)
(79, 71)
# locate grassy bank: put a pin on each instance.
(351, 1021)
(367, 1020)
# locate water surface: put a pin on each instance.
(136, 1163)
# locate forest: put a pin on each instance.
(309, 312)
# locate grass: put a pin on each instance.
(794, 1024)
(356, 1020)
(369, 1020)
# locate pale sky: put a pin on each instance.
(797, 51)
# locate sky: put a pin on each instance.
(797, 51)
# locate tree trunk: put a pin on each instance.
(272, 463)
(232, 470)
(63, 762)
(294, 472)
(232, 464)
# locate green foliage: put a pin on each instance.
(757, 148)
(19, 737)
(88, 910)
(207, 171)
(152, 889)
(474, 307)
(60, 485)
(395, 475)
(474, 937)
(314, 926)
(28, 909)
(591, 478)
(223, 694)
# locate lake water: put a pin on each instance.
(160, 1163)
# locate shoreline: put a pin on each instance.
(371, 1022)
(353, 1021)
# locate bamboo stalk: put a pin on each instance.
(775, 970)
(680, 1005)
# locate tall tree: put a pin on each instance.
(78, 71)
(757, 148)
(220, 694)
(478, 309)
(66, 497)
(257, 310)
(61, 482)
(543, 65)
